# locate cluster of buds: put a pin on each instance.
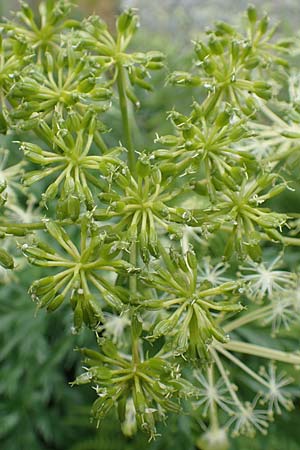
(150, 388)
(70, 82)
(70, 160)
(141, 207)
(233, 66)
(81, 273)
(213, 142)
(125, 228)
(191, 324)
(112, 52)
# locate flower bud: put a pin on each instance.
(156, 175)
(132, 97)
(168, 140)
(50, 194)
(225, 28)
(78, 316)
(165, 326)
(175, 231)
(192, 259)
(6, 260)
(251, 63)
(201, 50)
(43, 300)
(215, 46)
(88, 198)
(73, 207)
(127, 21)
(112, 300)
(55, 303)
(143, 167)
(49, 62)
(252, 14)
(154, 65)
(223, 119)
(263, 24)
(290, 134)
(100, 94)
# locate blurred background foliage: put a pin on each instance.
(38, 408)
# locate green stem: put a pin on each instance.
(246, 318)
(121, 82)
(133, 290)
(291, 241)
(213, 410)
(30, 226)
(262, 352)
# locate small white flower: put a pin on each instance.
(114, 327)
(277, 396)
(211, 273)
(263, 279)
(129, 426)
(11, 175)
(282, 314)
(246, 420)
(212, 393)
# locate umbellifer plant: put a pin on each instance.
(172, 254)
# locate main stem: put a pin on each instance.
(121, 82)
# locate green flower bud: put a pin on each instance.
(192, 259)
(6, 260)
(235, 51)
(25, 88)
(96, 309)
(155, 304)
(224, 28)
(50, 194)
(62, 209)
(127, 21)
(86, 85)
(136, 326)
(263, 24)
(209, 65)
(154, 65)
(34, 252)
(100, 94)
(112, 300)
(290, 134)
(78, 316)
(143, 238)
(215, 46)
(168, 140)
(88, 198)
(43, 300)
(160, 209)
(3, 124)
(201, 50)
(156, 175)
(155, 56)
(33, 177)
(142, 83)
(132, 97)
(165, 326)
(175, 231)
(49, 62)
(55, 303)
(252, 14)
(16, 231)
(73, 206)
(223, 119)
(143, 167)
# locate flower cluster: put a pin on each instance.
(159, 249)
